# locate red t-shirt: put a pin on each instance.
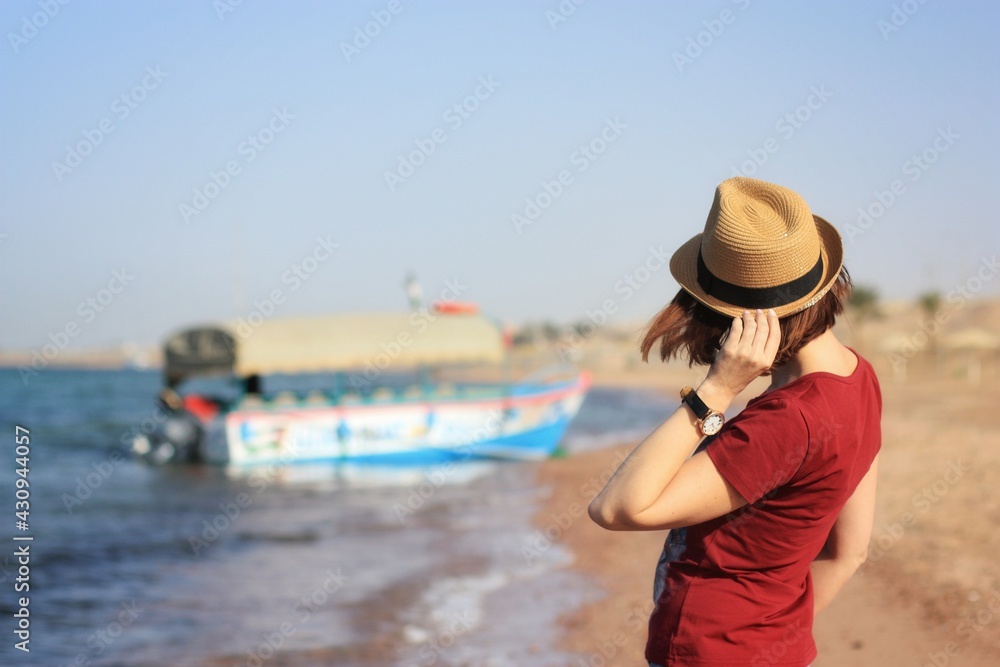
(737, 590)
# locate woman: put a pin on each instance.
(772, 514)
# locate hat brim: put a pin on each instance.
(684, 268)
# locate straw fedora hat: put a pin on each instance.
(762, 248)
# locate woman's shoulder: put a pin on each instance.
(818, 391)
(774, 409)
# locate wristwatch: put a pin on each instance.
(709, 421)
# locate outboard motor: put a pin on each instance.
(176, 440)
(180, 436)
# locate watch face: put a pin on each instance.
(712, 424)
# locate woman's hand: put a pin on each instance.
(747, 354)
(660, 485)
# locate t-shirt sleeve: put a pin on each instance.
(761, 448)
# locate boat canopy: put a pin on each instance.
(199, 351)
(386, 341)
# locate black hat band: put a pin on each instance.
(759, 297)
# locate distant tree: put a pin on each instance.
(864, 303)
(523, 336)
(550, 331)
(930, 302)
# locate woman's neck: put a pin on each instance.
(824, 353)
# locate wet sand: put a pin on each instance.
(930, 593)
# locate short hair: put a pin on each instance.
(687, 325)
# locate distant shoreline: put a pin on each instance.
(901, 330)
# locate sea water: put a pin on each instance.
(135, 565)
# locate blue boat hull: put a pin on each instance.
(523, 422)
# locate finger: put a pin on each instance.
(749, 327)
(773, 337)
(735, 331)
(760, 335)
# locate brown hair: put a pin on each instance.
(688, 325)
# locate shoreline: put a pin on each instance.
(924, 595)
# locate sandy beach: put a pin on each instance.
(930, 592)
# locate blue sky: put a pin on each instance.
(310, 132)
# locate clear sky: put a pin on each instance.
(119, 121)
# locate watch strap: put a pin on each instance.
(690, 396)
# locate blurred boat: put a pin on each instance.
(358, 417)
